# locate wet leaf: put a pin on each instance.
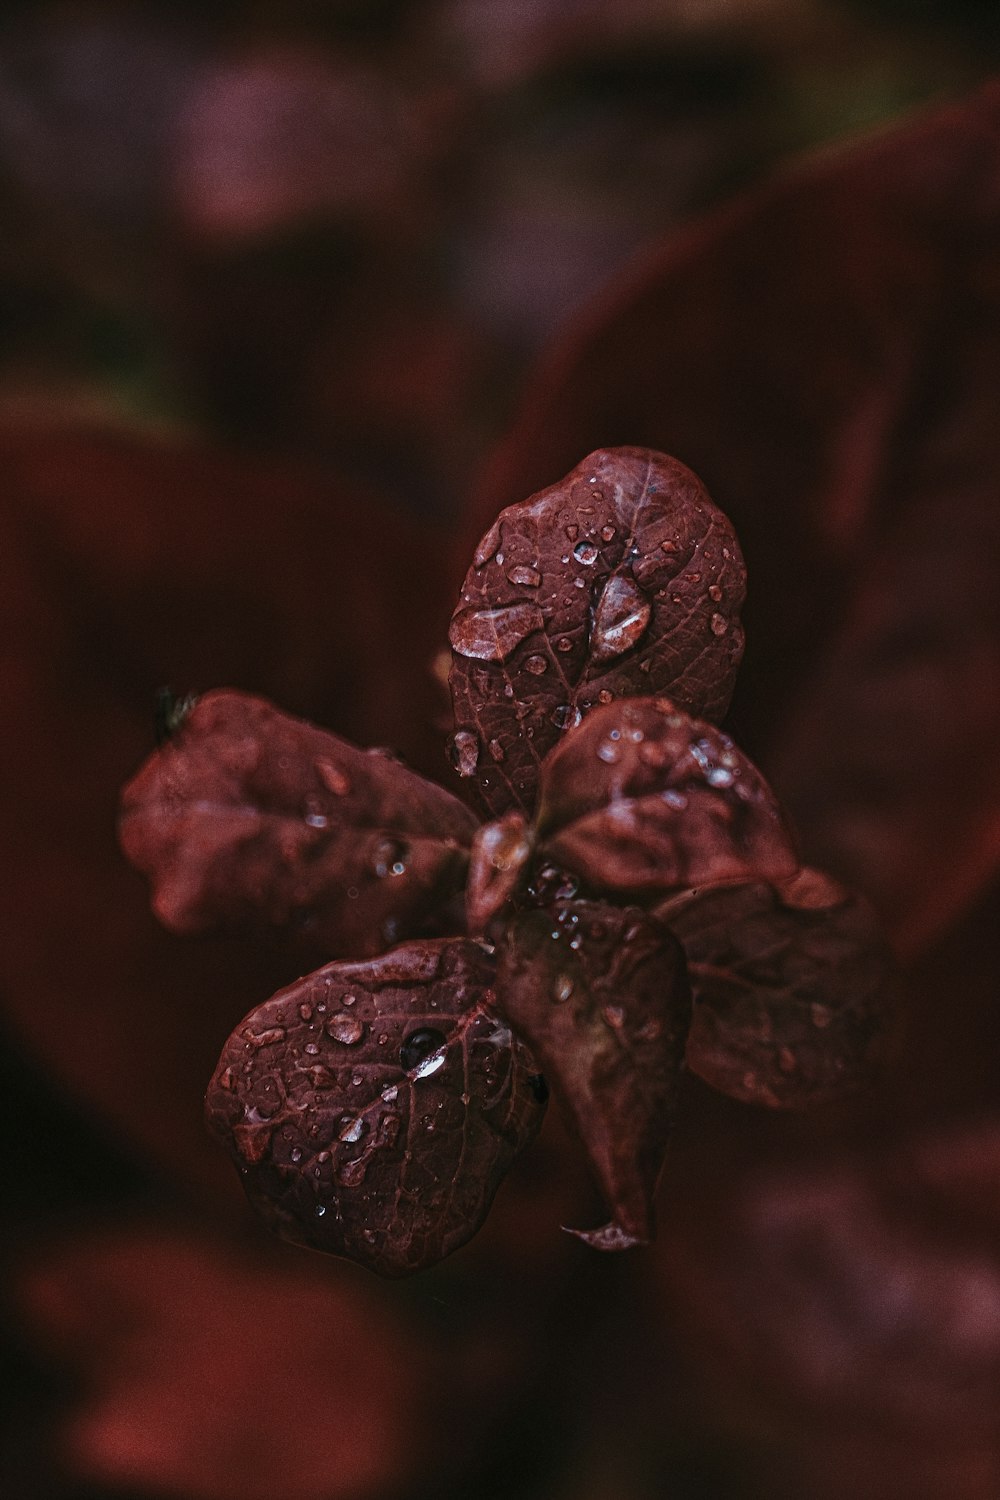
(641, 798)
(374, 1108)
(600, 995)
(246, 814)
(621, 579)
(824, 353)
(793, 988)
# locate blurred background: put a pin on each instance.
(273, 282)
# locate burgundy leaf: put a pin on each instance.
(856, 1299)
(621, 579)
(499, 858)
(179, 1347)
(641, 798)
(246, 813)
(793, 988)
(600, 995)
(824, 352)
(374, 1108)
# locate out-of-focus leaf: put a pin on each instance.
(246, 814)
(856, 1301)
(182, 1349)
(622, 578)
(824, 354)
(600, 995)
(641, 797)
(373, 1109)
(793, 989)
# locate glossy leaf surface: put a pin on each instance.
(793, 989)
(623, 578)
(641, 797)
(374, 1108)
(600, 994)
(248, 814)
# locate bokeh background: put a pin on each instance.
(292, 297)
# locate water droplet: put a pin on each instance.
(614, 1016)
(295, 1154)
(267, 1038)
(719, 776)
(390, 1093)
(496, 750)
(821, 1016)
(609, 753)
(528, 577)
(492, 634)
(488, 547)
(586, 553)
(572, 532)
(348, 999)
(311, 1049)
(604, 696)
(620, 619)
(463, 751)
(352, 893)
(715, 593)
(315, 818)
(669, 546)
(306, 1011)
(607, 533)
(562, 988)
(566, 716)
(346, 1029)
(719, 625)
(352, 1173)
(536, 665)
(420, 1045)
(319, 1210)
(352, 1128)
(564, 643)
(676, 800)
(387, 856)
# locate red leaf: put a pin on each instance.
(825, 354)
(623, 578)
(642, 798)
(793, 989)
(181, 1347)
(374, 1108)
(600, 995)
(249, 815)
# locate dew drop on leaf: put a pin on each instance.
(492, 634)
(419, 1045)
(586, 553)
(463, 752)
(346, 1029)
(620, 620)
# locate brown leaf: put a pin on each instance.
(623, 578)
(374, 1108)
(825, 353)
(600, 995)
(793, 988)
(246, 814)
(642, 798)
